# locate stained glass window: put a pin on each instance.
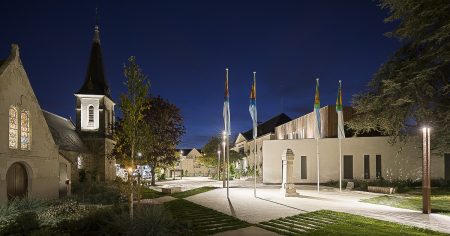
(25, 128)
(13, 128)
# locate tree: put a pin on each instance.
(412, 89)
(209, 157)
(133, 105)
(165, 123)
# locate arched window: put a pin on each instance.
(13, 128)
(90, 114)
(25, 128)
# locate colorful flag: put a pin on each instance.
(252, 107)
(317, 111)
(226, 107)
(340, 114)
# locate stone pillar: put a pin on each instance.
(288, 186)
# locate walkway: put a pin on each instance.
(270, 204)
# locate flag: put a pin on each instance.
(226, 107)
(252, 107)
(317, 111)
(341, 132)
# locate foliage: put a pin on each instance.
(133, 105)
(148, 193)
(440, 203)
(412, 88)
(209, 150)
(148, 220)
(68, 217)
(165, 123)
(99, 193)
(401, 185)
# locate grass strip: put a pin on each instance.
(193, 192)
(340, 224)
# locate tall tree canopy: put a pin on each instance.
(412, 88)
(165, 123)
(209, 157)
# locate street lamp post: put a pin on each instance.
(224, 164)
(426, 185)
(218, 162)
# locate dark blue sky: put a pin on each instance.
(184, 47)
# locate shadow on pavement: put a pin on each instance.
(281, 204)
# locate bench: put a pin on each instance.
(350, 185)
(171, 190)
(386, 190)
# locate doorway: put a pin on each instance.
(348, 167)
(17, 181)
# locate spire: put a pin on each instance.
(96, 35)
(96, 31)
(95, 82)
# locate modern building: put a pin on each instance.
(245, 143)
(370, 158)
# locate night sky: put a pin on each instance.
(185, 46)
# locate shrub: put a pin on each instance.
(19, 216)
(100, 193)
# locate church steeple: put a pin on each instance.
(95, 82)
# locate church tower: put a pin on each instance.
(95, 114)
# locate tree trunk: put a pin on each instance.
(139, 191)
(153, 175)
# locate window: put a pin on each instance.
(80, 162)
(303, 168)
(366, 167)
(90, 114)
(378, 167)
(348, 167)
(25, 134)
(13, 128)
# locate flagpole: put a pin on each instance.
(228, 167)
(318, 165)
(340, 164)
(254, 140)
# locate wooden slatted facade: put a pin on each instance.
(303, 127)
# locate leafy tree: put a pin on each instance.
(210, 153)
(133, 105)
(165, 123)
(412, 88)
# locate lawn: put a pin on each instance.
(337, 223)
(201, 220)
(440, 200)
(148, 193)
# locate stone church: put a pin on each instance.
(41, 153)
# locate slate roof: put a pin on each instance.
(64, 134)
(268, 126)
(95, 82)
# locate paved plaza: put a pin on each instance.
(270, 203)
